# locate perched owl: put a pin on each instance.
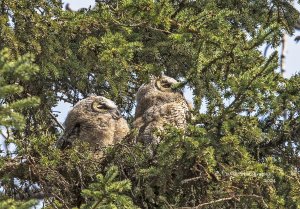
(95, 120)
(159, 104)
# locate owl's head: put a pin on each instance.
(161, 90)
(103, 105)
(166, 84)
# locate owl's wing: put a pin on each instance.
(69, 136)
(121, 130)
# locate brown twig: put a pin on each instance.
(227, 199)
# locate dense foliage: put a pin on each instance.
(241, 149)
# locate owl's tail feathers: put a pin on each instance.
(63, 143)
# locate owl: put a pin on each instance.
(95, 120)
(159, 104)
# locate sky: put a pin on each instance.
(292, 56)
(77, 4)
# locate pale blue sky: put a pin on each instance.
(292, 57)
(77, 4)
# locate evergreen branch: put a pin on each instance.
(260, 40)
(240, 96)
(181, 6)
(53, 117)
(96, 204)
(14, 167)
(159, 30)
(144, 24)
(179, 25)
(118, 23)
(139, 25)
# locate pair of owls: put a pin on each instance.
(98, 121)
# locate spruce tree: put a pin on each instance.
(241, 149)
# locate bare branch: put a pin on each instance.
(236, 197)
(56, 121)
(208, 203)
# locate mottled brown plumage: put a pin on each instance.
(159, 104)
(95, 120)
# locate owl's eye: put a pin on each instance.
(164, 85)
(101, 106)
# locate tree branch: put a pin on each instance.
(227, 199)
